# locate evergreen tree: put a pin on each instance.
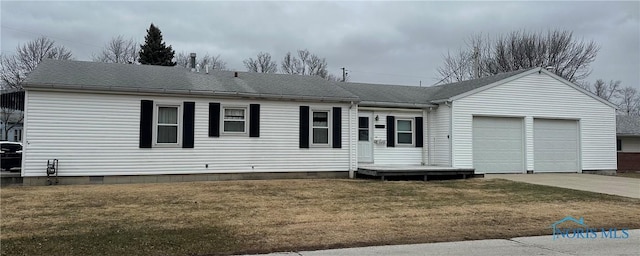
(154, 51)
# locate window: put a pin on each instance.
(17, 135)
(619, 145)
(320, 127)
(363, 128)
(404, 131)
(234, 120)
(167, 125)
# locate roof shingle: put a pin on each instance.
(116, 77)
(628, 125)
(144, 78)
(420, 95)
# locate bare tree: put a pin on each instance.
(608, 91)
(182, 60)
(291, 64)
(569, 57)
(305, 64)
(629, 102)
(317, 66)
(262, 64)
(456, 67)
(214, 62)
(118, 50)
(15, 68)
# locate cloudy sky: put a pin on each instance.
(378, 42)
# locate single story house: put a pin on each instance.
(628, 142)
(136, 123)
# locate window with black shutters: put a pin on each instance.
(404, 131)
(320, 127)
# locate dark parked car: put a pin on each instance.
(10, 155)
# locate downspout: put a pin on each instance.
(450, 136)
(25, 133)
(351, 162)
(428, 146)
(425, 117)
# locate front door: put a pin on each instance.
(365, 138)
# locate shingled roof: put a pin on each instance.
(381, 93)
(628, 125)
(67, 74)
(158, 79)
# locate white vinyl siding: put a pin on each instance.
(393, 155)
(439, 141)
(98, 134)
(539, 96)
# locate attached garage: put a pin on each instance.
(556, 145)
(498, 144)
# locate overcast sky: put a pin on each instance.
(378, 42)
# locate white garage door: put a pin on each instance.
(498, 145)
(555, 144)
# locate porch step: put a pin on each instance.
(383, 171)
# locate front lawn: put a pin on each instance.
(286, 215)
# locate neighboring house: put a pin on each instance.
(110, 120)
(628, 142)
(11, 115)
(14, 121)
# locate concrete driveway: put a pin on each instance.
(612, 185)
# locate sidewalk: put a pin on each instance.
(533, 245)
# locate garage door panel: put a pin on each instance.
(498, 145)
(556, 145)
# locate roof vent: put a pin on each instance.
(235, 74)
(550, 68)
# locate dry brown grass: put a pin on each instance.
(629, 174)
(279, 215)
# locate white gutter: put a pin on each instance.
(395, 104)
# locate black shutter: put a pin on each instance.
(304, 126)
(337, 127)
(187, 124)
(214, 119)
(254, 120)
(419, 132)
(391, 131)
(146, 123)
